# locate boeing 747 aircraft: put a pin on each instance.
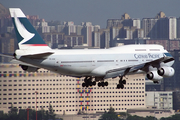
(95, 65)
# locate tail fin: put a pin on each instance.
(26, 35)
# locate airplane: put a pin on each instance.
(94, 65)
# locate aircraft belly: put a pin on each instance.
(74, 70)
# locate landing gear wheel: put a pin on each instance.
(94, 83)
(124, 82)
(99, 84)
(120, 86)
(102, 84)
(106, 83)
(83, 84)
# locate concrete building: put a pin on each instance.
(159, 99)
(65, 93)
(158, 113)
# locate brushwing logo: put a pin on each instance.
(22, 31)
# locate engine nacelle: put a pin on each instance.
(153, 75)
(166, 71)
(29, 68)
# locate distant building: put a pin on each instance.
(157, 113)
(160, 27)
(167, 28)
(4, 23)
(149, 25)
(176, 100)
(73, 40)
(173, 83)
(54, 40)
(7, 45)
(159, 99)
(178, 27)
(87, 33)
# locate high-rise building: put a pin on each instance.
(43, 27)
(96, 42)
(149, 25)
(54, 40)
(160, 27)
(79, 29)
(70, 28)
(73, 40)
(87, 33)
(64, 93)
(178, 27)
(167, 28)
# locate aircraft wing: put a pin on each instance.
(134, 68)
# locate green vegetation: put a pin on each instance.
(14, 114)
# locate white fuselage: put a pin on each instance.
(96, 62)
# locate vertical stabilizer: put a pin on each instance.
(27, 36)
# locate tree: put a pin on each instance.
(22, 114)
(13, 113)
(110, 115)
(51, 112)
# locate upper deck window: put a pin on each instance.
(154, 49)
(140, 49)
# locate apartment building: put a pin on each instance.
(65, 93)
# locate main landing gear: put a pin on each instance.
(88, 82)
(121, 83)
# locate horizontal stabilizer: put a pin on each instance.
(7, 55)
(38, 55)
(14, 61)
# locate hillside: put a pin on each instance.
(3, 11)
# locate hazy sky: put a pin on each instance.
(95, 11)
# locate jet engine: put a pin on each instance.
(29, 68)
(166, 71)
(153, 75)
